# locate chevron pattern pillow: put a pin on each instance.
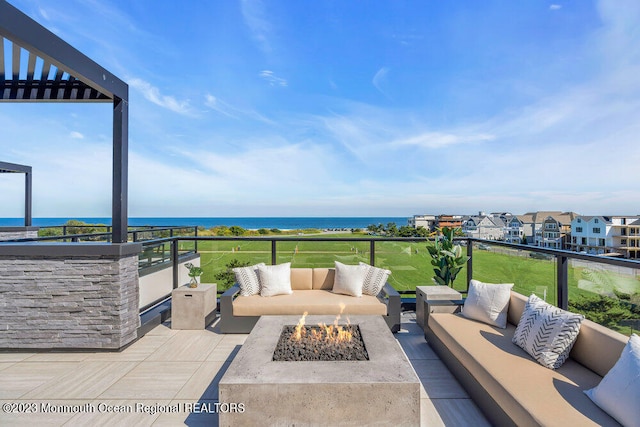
(247, 279)
(374, 279)
(547, 332)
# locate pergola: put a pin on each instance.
(26, 170)
(44, 68)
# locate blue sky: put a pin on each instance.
(341, 108)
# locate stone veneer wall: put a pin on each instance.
(55, 302)
(10, 233)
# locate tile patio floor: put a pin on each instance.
(180, 368)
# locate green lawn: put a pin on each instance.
(410, 264)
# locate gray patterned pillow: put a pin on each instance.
(547, 332)
(247, 279)
(374, 279)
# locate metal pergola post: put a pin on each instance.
(26, 170)
(120, 169)
(28, 197)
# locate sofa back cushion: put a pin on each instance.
(301, 279)
(516, 307)
(598, 347)
(323, 278)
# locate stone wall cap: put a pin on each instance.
(64, 249)
(10, 229)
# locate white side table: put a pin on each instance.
(190, 307)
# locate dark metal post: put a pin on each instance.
(195, 242)
(372, 252)
(469, 262)
(27, 199)
(174, 262)
(563, 281)
(120, 169)
(273, 252)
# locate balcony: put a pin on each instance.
(168, 370)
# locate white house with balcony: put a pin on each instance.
(551, 235)
(531, 226)
(515, 231)
(484, 227)
(606, 235)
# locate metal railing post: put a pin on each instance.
(174, 262)
(273, 252)
(372, 252)
(469, 262)
(563, 281)
(195, 242)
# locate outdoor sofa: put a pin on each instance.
(312, 293)
(509, 386)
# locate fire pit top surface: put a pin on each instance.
(254, 362)
(320, 343)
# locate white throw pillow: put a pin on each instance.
(547, 332)
(247, 279)
(275, 279)
(488, 303)
(618, 394)
(374, 279)
(349, 279)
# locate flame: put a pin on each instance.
(333, 333)
(300, 329)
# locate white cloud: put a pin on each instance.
(255, 18)
(219, 106)
(555, 7)
(234, 112)
(152, 94)
(273, 80)
(441, 139)
(379, 79)
(76, 135)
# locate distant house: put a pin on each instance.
(487, 227)
(426, 221)
(557, 233)
(606, 235)
(515, 231)
(451, 221)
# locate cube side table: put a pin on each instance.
(425, 293)
(192, 307)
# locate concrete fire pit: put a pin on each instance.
(383, 390)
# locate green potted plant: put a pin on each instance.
(194, 273)
(446, 257)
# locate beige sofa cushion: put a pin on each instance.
(598, 347)
(323, 278)
(528, 392)
(516, 307)
(312, 301)
(301, 279)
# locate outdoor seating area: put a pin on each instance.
(511, 386)
(311, 292)
(171, 377)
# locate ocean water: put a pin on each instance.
(282, 223)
